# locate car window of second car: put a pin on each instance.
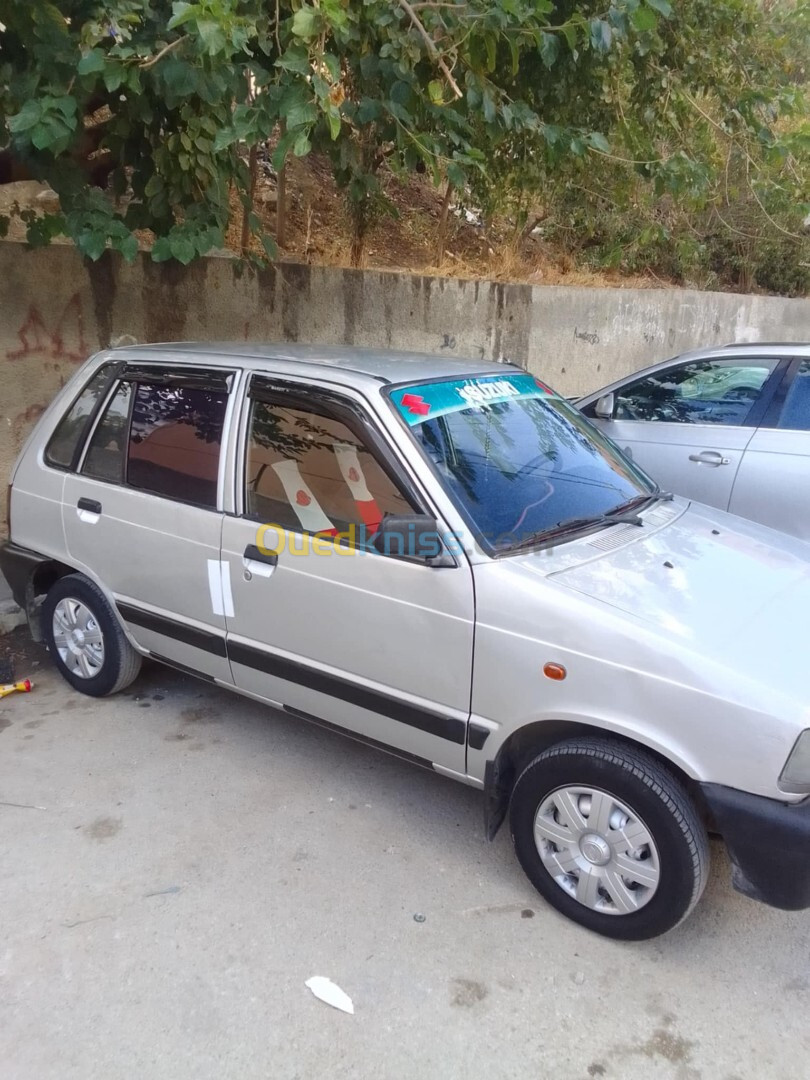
(307, 471)
(701, 392)
(795, 415)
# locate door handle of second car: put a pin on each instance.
(259, 561)
(709, 457)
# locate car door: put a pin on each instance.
(774, 476)
(141, 513)
(688, 424)
(326, 627)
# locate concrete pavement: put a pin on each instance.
(175, 862)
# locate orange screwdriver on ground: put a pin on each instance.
(23, 687)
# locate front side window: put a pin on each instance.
(306, 471)
(69, 432)
(795, 415)
(174, 442)
(703, 392)
(517, 459)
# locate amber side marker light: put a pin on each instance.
(554, 671)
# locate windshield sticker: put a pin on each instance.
(426, 401)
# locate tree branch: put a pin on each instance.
(159, 56)
(431, 46)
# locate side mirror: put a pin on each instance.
(414, 537)
(605, 407)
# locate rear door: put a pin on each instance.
(142, 512)
(375, 644)
(774, 478)
(688, 425)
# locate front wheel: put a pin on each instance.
(85, 639)
(610, 838)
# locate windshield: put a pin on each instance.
(517, 459)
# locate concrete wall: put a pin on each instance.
(55, 310)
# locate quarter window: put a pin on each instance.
(69, 432)
(308, 472)
(107, 450)
(796, 410)
(175, 441)
(703, 392)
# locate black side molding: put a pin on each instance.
(190, 635)
(443, 726)
(477, 735)
(414, 759)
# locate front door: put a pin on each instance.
(688, 425)
(375, 644)
(141, 513)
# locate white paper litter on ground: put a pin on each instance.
(327, 991)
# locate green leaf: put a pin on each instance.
(113, 77)
(91, 243)
(598, 141)
(296, 59)
(183, 12)
(28, 116)
(663, 6)
(333, 115)
(644, 18)
(307, 22)
(90, 62)
(181, 248)
(128, 247)
(302, 145)
(549, 48)
(601, 35)
(211, 36)
(270, 246)
(161, 250)
(490, 44)
(436, 91)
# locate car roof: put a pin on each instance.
(780, 349)
(379, 365)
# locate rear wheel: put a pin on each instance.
(85, 639)
(610, 838)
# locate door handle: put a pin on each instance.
(257, 561)
(255, 554)
(92, 506)
(709, 457)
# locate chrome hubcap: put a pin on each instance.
(78, 638)
(597, 849)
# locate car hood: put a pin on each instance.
(734, 592)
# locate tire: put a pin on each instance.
(99, 662)
(610, 838)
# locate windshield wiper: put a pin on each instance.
(624, 514)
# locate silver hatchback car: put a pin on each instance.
(728, 426)
(447, 560)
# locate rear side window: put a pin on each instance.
(796, 410)
(106, 453)
(174, 442)
(70, 430)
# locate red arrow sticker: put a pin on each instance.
(415, 404)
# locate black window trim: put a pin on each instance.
(112, 390)
(759, 409)
(321, 399)
(770, 419)
(113, 369)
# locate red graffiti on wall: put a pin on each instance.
(63, 340)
